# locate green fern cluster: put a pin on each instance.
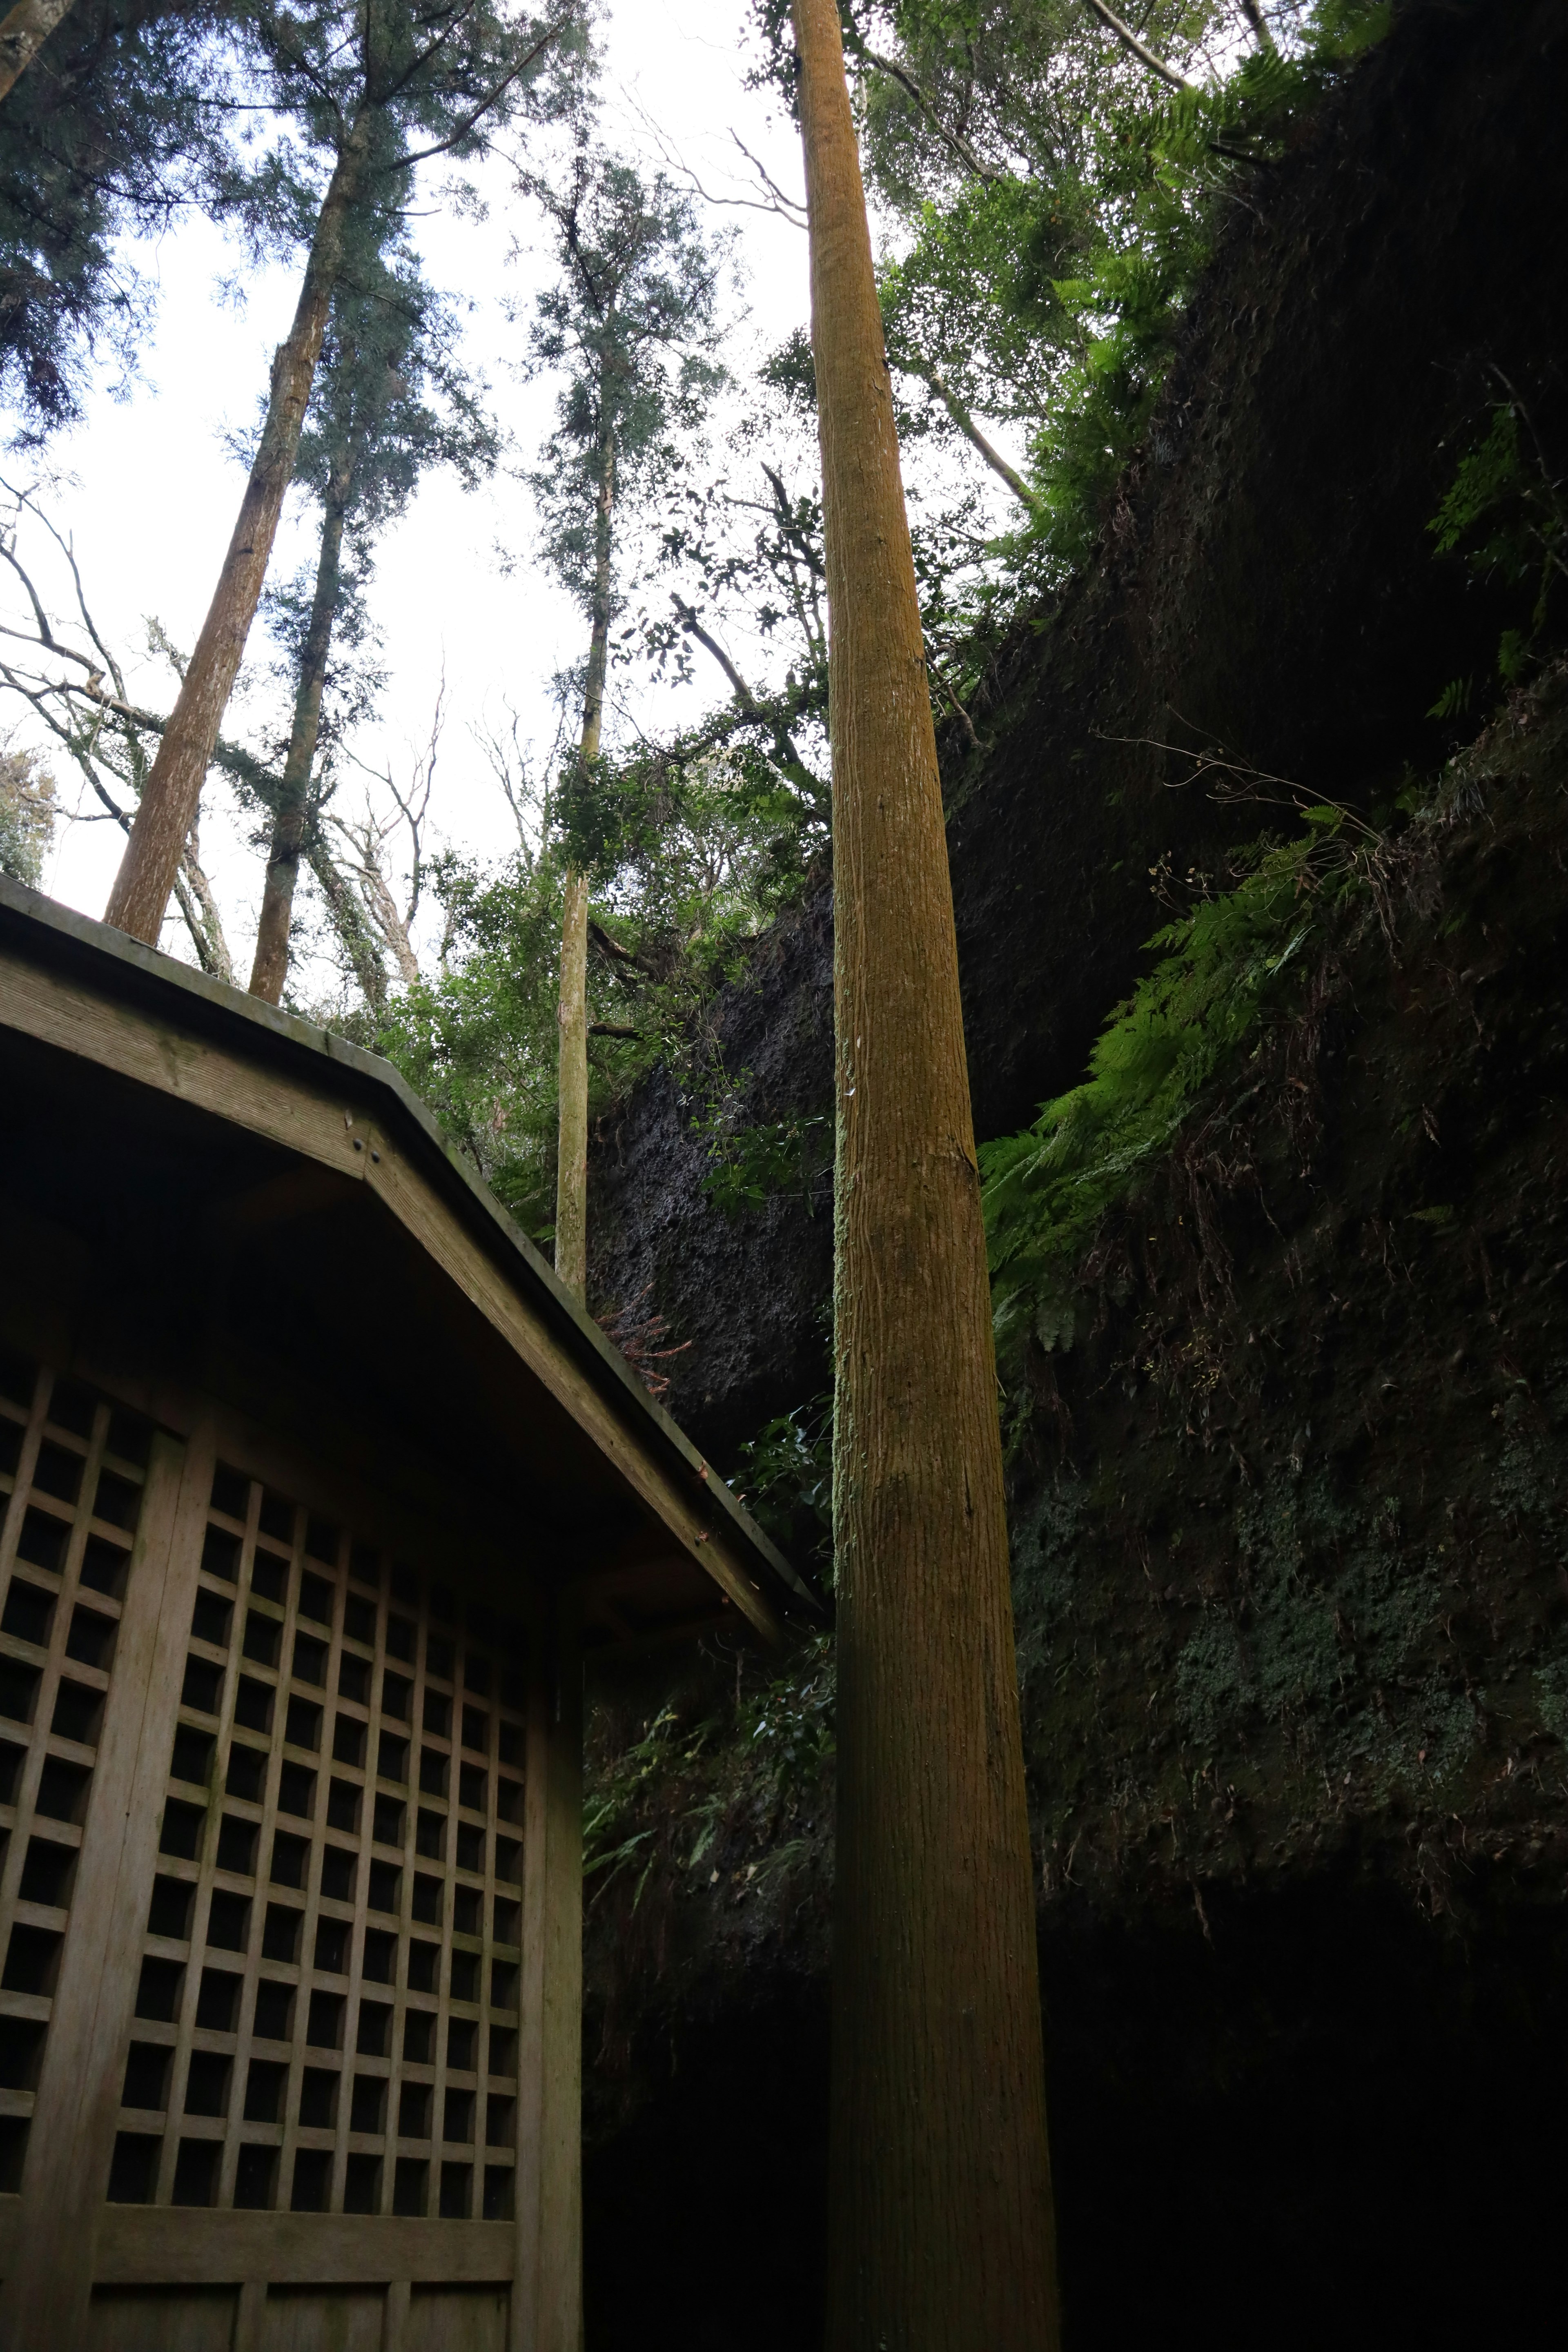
(1506, 513)
(1224, 968)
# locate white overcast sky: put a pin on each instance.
(151, 493)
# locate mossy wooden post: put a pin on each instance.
(941, 2232)
(270, 968)
(571, 1007)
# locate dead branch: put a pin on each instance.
(367, 837)
(790, 760)
(612, 947)
(954, 140)
(349, 921)
(509, 764)
(1140, 50)
(938, 384)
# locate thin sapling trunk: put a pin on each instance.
(571, 1011)
(270, 969)
(941, 2236)
(174, 789)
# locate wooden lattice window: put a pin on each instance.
(327, 2014)
(71, 1473)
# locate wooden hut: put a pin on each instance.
(316, 1488)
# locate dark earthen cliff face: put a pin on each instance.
(1290, 1551)
(1265, 582)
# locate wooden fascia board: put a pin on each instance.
(98, 1027)
(330, 1125)
(415, 1205)
(120, 964)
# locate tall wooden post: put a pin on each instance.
(43, 2303)
(547, 2286)
(940, 2229)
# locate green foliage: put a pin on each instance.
(27, 813)
(1046, 282)
(1506, 513)
(629, 327)
(686, 1794)
(689, 860)
(120, 122)
(664, 1752)
(478, 1041)
(787, 1724)
(752, 1165)
(784, 1476)
(697, 842)
(1226, 967)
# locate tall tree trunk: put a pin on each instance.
(23, 34)
(173, 790)
(572, 1009)
(270, 969)
(941, 2237)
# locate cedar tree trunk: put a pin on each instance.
(173, 790)
(941, 2236)
(571, 1011)
(270, 969)
(23, 34)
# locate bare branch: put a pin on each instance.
(507, 763)
(353, 929)
(790, 208)
(492, 98)
(783, 207)
(368, 839)
(693, 627)
(954, 140)
(783, 742)
(67, 549)
(961, 416)
(1130, 42)
(613, 948)
(199, 907)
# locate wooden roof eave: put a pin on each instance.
(85, 988)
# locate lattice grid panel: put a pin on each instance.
(327, 2016)
(71, 1471)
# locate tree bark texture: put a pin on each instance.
(941, 2236)
(354, 935)
(270, 968)
(571, 1009)
(173, 790)
(23, 34)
